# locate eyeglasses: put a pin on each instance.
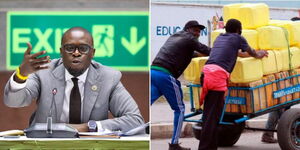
(82, 48)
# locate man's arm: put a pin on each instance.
(257, 53)
(31, 64)
(197, 54)
(20, 95)
(20, 91)
(203, 49)
(124, 109)
(243, 54)
(244, 46)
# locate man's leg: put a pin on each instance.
(173, 94)
(213, 107)
(155, 93)
(163, 83)
(171, 89)
(268, 136)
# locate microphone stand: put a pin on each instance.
(49, 118)
(50, 129)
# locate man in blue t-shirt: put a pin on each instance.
(215, 75)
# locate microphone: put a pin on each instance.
(50, 129)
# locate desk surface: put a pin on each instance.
(140, 142)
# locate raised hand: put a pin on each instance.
(31, 63)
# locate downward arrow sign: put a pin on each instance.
(133, 46)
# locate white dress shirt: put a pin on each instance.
(69, 85)
(66, 104)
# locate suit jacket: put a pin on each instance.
(103, 92)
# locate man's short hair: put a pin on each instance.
(233, 25)
(77, 28)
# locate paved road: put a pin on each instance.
(162, 113)
(248, 141)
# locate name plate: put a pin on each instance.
(286, 91)
(236, 100)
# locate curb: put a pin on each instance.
(165, 130)
(256, 123)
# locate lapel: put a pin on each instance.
(59, 84)
(91, 91)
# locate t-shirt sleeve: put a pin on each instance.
(243, 44)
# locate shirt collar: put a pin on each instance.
(81, 78)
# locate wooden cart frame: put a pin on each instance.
(288, 130)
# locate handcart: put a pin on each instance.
(245, 103)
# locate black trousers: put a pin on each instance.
(213, 107)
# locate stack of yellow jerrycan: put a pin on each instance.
(281, 38)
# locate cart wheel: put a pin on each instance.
(228, 134)
(288, 131)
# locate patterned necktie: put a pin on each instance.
(75, 104)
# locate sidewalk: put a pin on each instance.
(162, 118)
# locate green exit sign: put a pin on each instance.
(121, 39)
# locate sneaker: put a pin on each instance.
(177, 147)
(268, 138)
